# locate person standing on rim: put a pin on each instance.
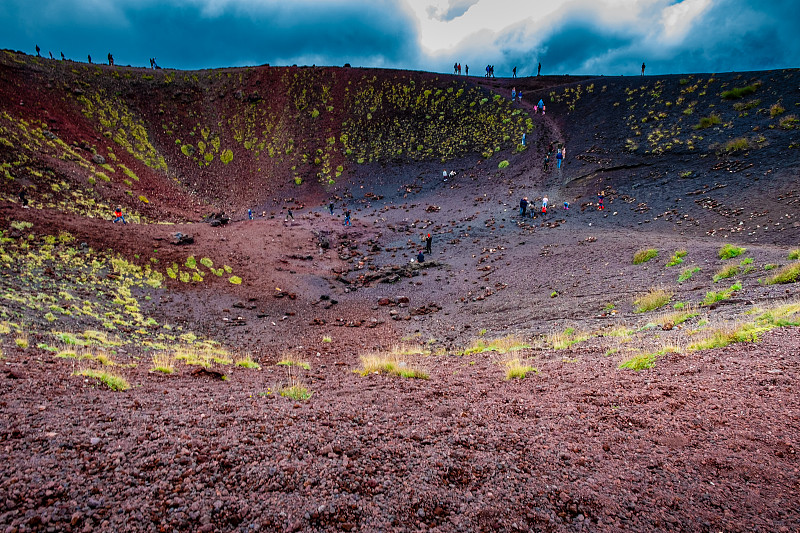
(539, 70)
(514, 72)
(642, 68)
(428, 244)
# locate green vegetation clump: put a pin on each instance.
(226, 156)
(109, 379)
(736, 145)
(639, 362)
(643, 256)
(794, 254)
(775, 110)
(677, 258)
(502, 164)
(297, 392)
(740, 92)
(729, 251)
(518, 369)
(789, 122)
(746, 106)
(728, 271)
(707, 122)
(247, 362)
(127, 130)
(718, 296)
(786, 274)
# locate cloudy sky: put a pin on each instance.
(607, 37)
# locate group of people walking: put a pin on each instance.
(153, 64)
(527, 208)
(560, 155)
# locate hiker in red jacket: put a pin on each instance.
(119, 216)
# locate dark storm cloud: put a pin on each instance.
(741, 35)
(378, 33)
(455, 9)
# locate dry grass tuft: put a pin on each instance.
(389, 363)
(113, 381)
(518, 369)
(293, 360)
(652, 300)
(509, 343)
(246, 361)
(669, 319)
(561, 340)
(163, 362)
(786, 274)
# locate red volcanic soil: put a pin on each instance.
(702, 441)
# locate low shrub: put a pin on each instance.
(688, 273)
(794, 254)
(502, 164)
(718, 296)
(729, 251)
(677, 258)
(786, 274)
(644, 255)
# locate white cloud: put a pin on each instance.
(678, 18)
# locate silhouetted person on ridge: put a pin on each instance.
(539, 70)
(62, 57)
(466, 70)
(514, 72)
(90, 59)
(110, 60)
(37, 51)
(643, 68)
